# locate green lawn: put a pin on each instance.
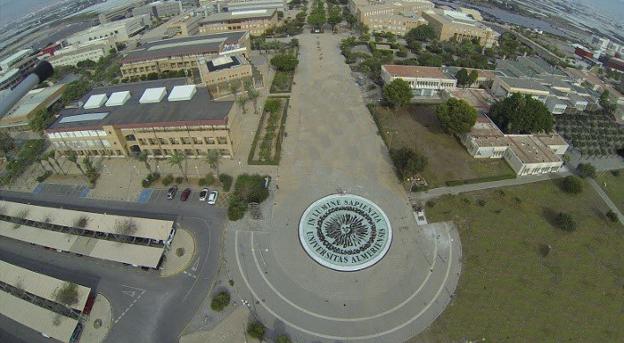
(614, 186)
(508, 292)
(417, 127)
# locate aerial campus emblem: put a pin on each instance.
(345, 232)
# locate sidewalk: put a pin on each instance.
(606, 199)
(437, 192)
(99, 323)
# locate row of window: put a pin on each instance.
(182, 140)
(72, 134)
(80, 144)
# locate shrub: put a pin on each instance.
(167, 180)
(572, 184)
(210, 179)
(149, 179)
(565, 222)
(179, 179)
(612, 216)
(282, 339)
(226, 181)
(256, 330)
(615, 173)
(236, 209)
(586, 170)
(544, 249)
(126, 227)
(220, 301)
(481, 202)
(67, 294)
(179, 252)
(81, 222)
(44, 176)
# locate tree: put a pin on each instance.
(272, 105)
(565, 222)
(242, 102)
(256, 330)
(7, 143)
(572, 184)
(421, 33)
(176, 160)
(586, 170)
(335, 16)
(397, 93)
(284, 62)
(252, 94)
(521, 114)
(456, 116)
(606, 103)
(612, 216)
(472, 77)
(73, 157)
(234, 87)
(220, 301)
(213, 159)
(67, 294)
(407, 162)
(142, 157)
(462, 77)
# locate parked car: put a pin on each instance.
(185, 194)
(171, 193)
(212, 198)
(203, 195)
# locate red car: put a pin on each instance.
(185, 194)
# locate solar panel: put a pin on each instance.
(84, 117)
(118, 98)
(153, 95)
(182, 93)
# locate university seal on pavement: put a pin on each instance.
(345, 232)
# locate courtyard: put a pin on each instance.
(510, 291)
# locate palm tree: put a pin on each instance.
(176, 160)
(73, 157)
(213, 160)
(143, 158)
(234, 88)
(242, 101)
(252, 94)
(52, 156)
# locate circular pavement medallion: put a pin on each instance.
(345, 232)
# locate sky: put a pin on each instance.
(14, 9)
(611, 8)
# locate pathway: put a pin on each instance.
(606, 199)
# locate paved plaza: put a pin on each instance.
(332, 146)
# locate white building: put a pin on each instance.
(159, 9)
(71, 55)
(424, 81)
(525, 154)
(120, 30)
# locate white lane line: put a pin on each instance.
(263, 304)
(123, 313)
(381, 314)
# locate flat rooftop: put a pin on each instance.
(184, 46)
(199, 110)
(417, 72)
(526, 84)
(32, 100)
(238, 15)
(530, 149)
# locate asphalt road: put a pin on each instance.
(146, 307)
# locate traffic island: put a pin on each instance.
(179, 255)
(100, 321)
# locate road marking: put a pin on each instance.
(141, 292)
(379, 334)
(131, 294)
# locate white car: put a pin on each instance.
(203, 195)
(212, 197)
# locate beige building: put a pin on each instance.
(183, 26)
(158, 117)
(219, 73)
(71, 55)
(424, 81)
(526, 154)
(397, 17)
(254, 21)
(120, 31)
(177, 54)
(457, 25)
(18, 117)
(506, 86)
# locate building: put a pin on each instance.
(122, 10)
(397, 17)
(71, 55)
(220, 72)
(183, 26)
(159, 117)
(424, 81)
(250, 5)
(506, 86)
(120, 31)
(182, 53)
(457, 25)
(485, 78)
(474, 14)
(14, 68)
(18, 117)
(254, 21)
(616, 64)
(159, 9)
(525, 154)
(189, 4)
